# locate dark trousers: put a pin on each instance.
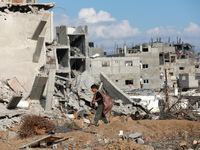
(100, 115)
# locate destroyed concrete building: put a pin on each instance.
(24, 53)
(180, 61)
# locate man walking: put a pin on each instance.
(99, 99)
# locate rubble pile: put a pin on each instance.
(47, 90)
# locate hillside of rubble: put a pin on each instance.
(156, 134)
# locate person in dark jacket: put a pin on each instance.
(99, 99)
(138, 116)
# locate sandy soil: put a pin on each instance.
(157, 134)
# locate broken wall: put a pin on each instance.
(148, 67)
(123, 71)
(17, 48)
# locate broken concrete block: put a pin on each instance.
(140, 141)
(183, 144)
(86, 121)
(82, 103)
(38, 87)
(12, 135)
(14, 101)
(135, 135)
(40, 26)
(39, 46)
(113, 90)
(47, 139)
(15, 85)
(55, 146)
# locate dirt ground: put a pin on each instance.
(157, 134)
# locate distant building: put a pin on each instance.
(179, 60)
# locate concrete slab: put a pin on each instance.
(14, 101)
(40, 26)
(135, 135)
(39, 46)
(113, 91)
(46, 139)
(15, 85)
(38, 87)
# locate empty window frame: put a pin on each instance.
(127, 82)
(105, 64)
(173, 59)
(196, 66)
(145, 50)
(145, 66)
(128, 63)
(171, 73)
(181, 68)
(183, 57)
(146, 81)
(166, 60)
(197, 76)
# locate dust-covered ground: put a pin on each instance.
(157, 134)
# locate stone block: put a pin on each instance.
(135, 135)
(140, 141)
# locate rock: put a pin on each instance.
(124, 137)
(183, 144)
(55, 146)
(140, 141)
(86, 121)
(12, 135)
(82, 103)
(135, 135)
(186, 135)
(195, 142)
(106, 141)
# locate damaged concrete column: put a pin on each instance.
(50, 89)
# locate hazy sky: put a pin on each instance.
(131, 21)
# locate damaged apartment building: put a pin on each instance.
(139, 67)
(178, 63)
(26, 26)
